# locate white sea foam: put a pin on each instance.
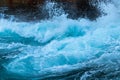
(65, 44)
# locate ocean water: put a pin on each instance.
(61, 48)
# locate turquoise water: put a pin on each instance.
(62, 48)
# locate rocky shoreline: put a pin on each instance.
(27, 10)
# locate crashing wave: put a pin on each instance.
(61, 48)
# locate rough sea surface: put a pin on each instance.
(61, 48)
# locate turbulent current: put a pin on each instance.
(61, 48)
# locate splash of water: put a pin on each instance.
(62, 48)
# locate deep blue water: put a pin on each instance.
(62, 48)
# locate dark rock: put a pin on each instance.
(75, 9)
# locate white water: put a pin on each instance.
(59, 45)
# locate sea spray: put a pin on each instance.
(61, 48)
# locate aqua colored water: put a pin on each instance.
(61, 48)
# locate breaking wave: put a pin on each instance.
(62, 48)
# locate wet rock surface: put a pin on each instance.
(78, 9)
